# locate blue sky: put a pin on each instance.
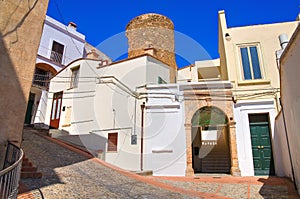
(196, 19)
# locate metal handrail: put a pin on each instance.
(10, 175)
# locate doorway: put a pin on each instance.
(261, 144)
(29, 111)
(211, 151)
(56, 110)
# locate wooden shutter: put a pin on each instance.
(112, 142)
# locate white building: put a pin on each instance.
(59, 45)
(102, 103)
(287, 136)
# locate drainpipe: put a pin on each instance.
(142, 134)
(288, 144)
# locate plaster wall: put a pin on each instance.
(165, 150)
(72, 40)
(103, 103)
(241, 111)
(290, 97)
(21, 27)
(266, 38)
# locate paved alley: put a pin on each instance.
(69, 174)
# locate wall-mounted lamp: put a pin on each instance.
(227, 36)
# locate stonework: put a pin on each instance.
(156, 32)
(21, 24)
(195, 100)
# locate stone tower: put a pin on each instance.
(153, 34)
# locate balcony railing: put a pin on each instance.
(56, 57)
(10, 175)
(42, 80)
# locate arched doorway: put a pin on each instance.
(42, 75)
(210, 141)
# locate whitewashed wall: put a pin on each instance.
(243, 137)
(165, 148)
(69, 37)
(104, 105)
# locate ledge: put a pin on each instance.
(253, 82)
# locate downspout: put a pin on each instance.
(142, 135)
(288, 145)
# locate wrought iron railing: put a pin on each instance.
(56, 57)
(51, 55)
(42, 80)
(10, 175)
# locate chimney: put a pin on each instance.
(72, 25)
(92, 54)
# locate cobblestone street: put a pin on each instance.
(69, 174)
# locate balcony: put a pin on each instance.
(41, 78)
(10, 175)
(56, 57)
(51, 56)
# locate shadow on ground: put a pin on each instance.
(49, 156)
(280, 186)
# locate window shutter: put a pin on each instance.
(112, 142)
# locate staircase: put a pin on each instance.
(217, 161)
(29, 170)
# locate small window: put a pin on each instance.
(112, 142)
(57, 52)
(74, 77)
(251, 65)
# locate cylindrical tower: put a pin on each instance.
(153, 34)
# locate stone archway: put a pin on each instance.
(197, 98)
(210, 141)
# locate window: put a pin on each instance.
(112, 142)
(57, 52)
(250, 62)
(74, 77)
(41, 78)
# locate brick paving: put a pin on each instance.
(69, 172)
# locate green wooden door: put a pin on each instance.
(261, 148)
(30, 104)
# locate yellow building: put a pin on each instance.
(248, 59)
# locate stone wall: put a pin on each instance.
(156, 32)
(21, 24)
(196, 99)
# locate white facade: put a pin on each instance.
(205, 70)
(165, 147)
(287, 122)
(108, 100)
(51, 61)
(242, 109)
(54, 31)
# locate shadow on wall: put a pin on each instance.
(12, 101)
(20, 29)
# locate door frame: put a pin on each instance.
(55, 123)
(268, 122)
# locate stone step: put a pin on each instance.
(29, 169)
(35, 175)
